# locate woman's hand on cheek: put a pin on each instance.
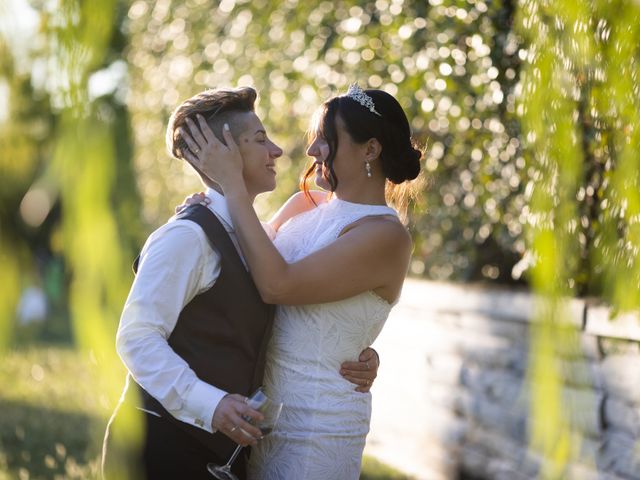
(221, 163)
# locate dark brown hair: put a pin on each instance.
(217, 107)
(400, 157)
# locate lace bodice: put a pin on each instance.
(324, 423)
(316, 228)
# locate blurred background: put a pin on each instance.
(528, 111)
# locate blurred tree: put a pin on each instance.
(581, 139)
(454, 68)
(31, 112)
(579, 107)
(529, 111)
(70, 204)
(16, 170)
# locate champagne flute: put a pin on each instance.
(270, 410)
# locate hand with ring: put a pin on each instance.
(230, 418)
(363, 372)
(217, 159)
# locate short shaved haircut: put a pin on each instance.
(217, 107)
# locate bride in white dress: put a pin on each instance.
(335, 270)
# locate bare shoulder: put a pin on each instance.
(296, 204)
(304, 202)
(319, 196)
(388, 231)
(394, 231)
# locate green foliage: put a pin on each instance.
(75, 165)
(580, 115)
(452, 65)
(579, 108)
(21, 142)
(455, 66)
(529, 112)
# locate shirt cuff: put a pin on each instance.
(200, 404)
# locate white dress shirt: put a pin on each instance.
(176, 263)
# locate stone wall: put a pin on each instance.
(452, 397)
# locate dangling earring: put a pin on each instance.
(367, 167)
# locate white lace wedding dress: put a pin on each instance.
(321, 432)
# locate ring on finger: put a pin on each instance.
(367, 364)
(235, 427)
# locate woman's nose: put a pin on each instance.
(312, 150)
(276, 151)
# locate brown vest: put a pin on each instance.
(222, 333)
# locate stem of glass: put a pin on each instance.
(234, 455)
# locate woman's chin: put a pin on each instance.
(321, 182)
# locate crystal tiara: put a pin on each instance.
(359, 95)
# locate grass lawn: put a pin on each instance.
(53, 417)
